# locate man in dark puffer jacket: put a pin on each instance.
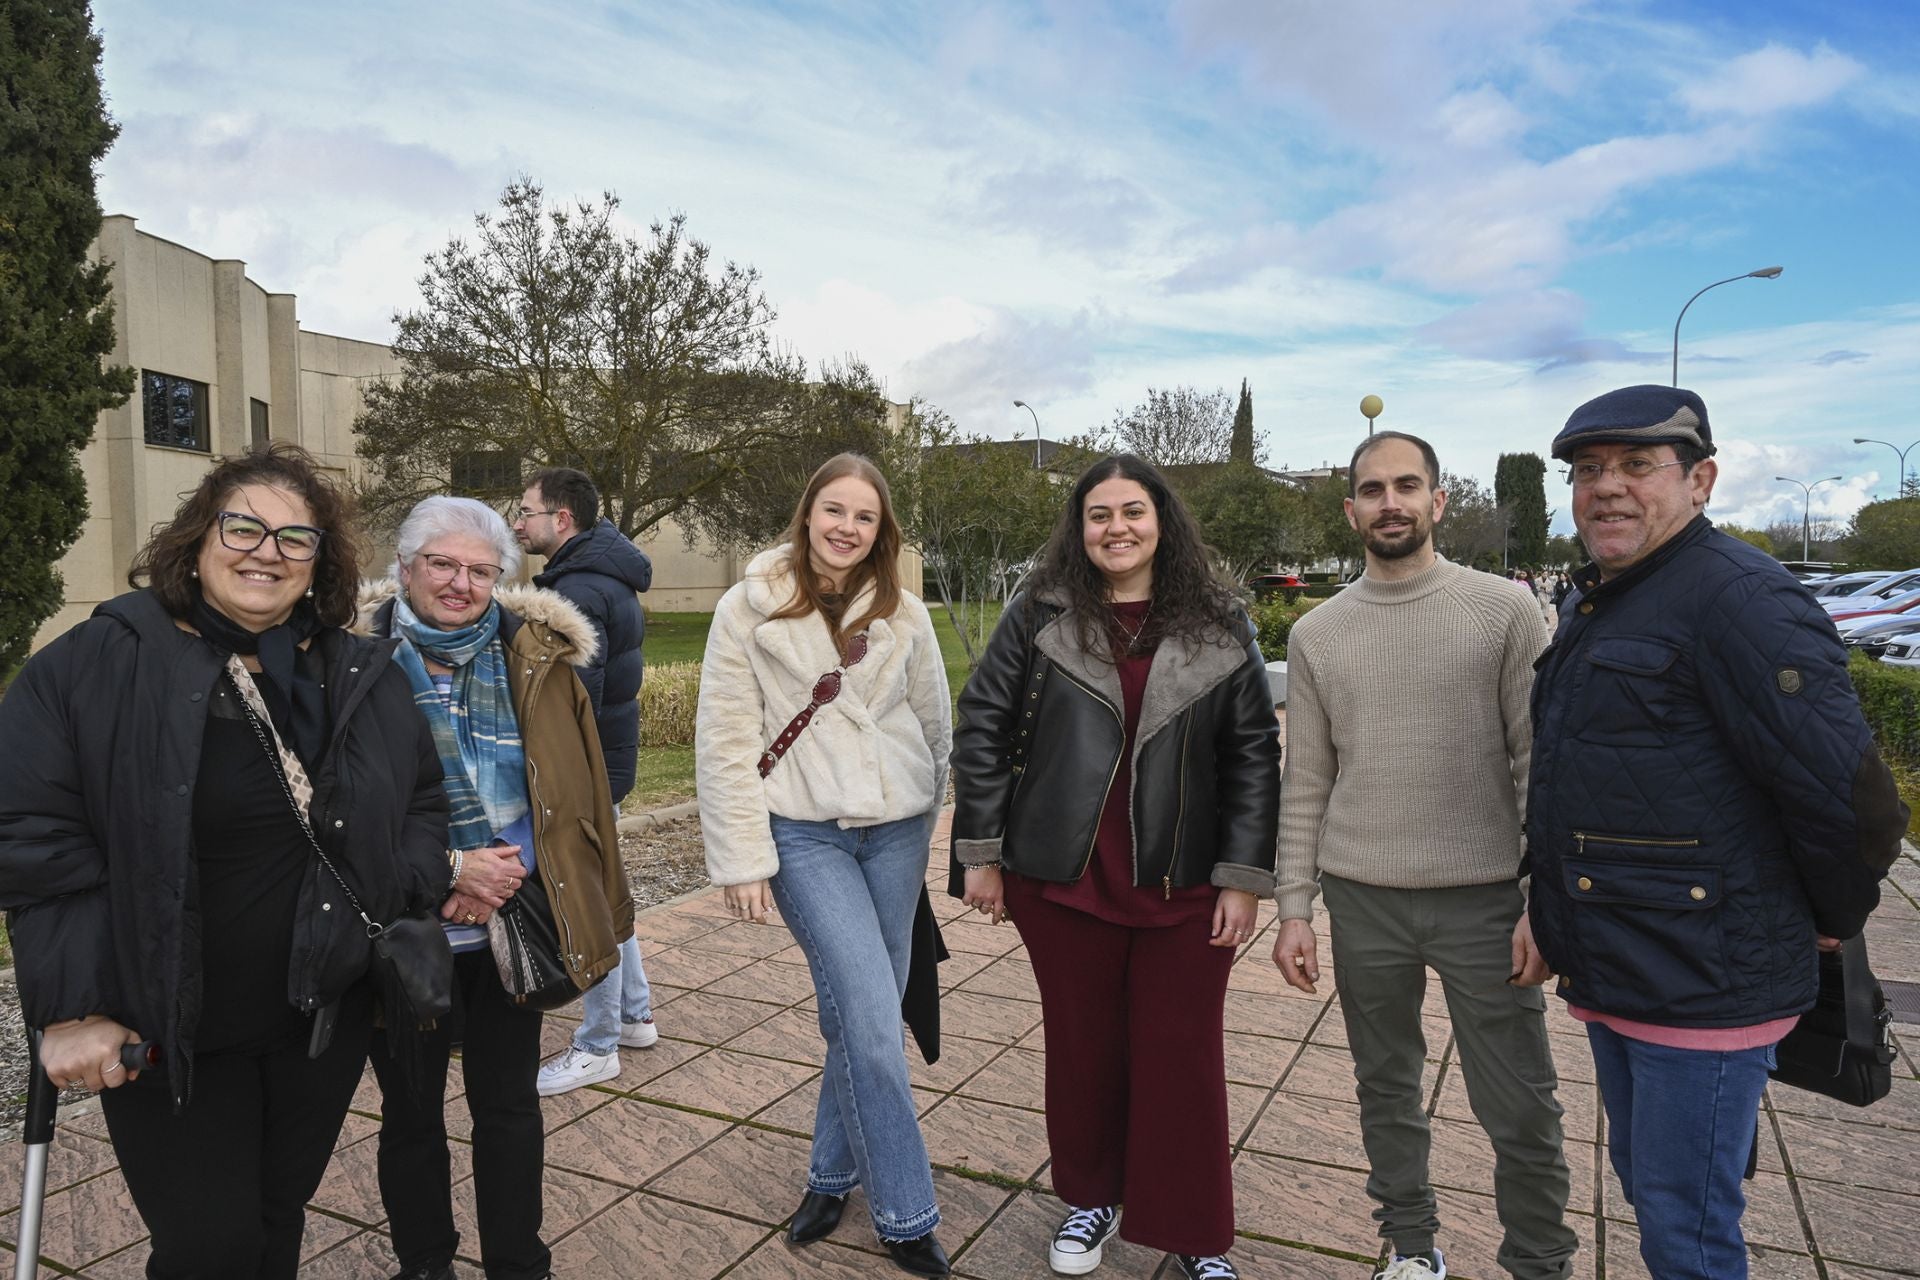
(1706, 808)
(597, 568)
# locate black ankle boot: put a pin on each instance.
(921, 1255)
(817, 1216)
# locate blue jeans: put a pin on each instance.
(849, 897)
(623, 997)
(1680, 1126)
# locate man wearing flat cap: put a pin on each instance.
(1706, 809)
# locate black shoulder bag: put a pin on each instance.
(411, 964)
(1843, 1046)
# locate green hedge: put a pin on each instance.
(1275, 619)
(1890, 697)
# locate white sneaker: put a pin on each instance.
(1076, 1245)
(575, 1069)
(639, 1035)
(1415, 1268)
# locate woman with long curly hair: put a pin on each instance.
(1117, 778)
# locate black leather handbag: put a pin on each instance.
(1843, 1046)
(527, 951)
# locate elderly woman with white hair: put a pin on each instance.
(491, 669)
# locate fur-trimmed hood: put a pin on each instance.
(573, 634)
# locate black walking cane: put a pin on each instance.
(43, 1098)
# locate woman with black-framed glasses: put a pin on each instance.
(159, 884)
(821, 746)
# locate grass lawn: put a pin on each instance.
(676, 637)
(955, 653)
(664, 776)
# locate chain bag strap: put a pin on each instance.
(411, 958)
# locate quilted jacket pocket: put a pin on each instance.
(1650, 934)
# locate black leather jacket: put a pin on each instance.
(1206, 765)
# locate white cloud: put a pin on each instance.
(1010, 357)
(1771, 79)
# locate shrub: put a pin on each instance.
(668, 697)
(1274, 620)
(1890, 697)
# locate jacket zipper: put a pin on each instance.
(1580, 839)
(1111, 775)
(1180, 820)
(554, 887)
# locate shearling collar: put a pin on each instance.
(576, 643)
(1183, 670)
(804, 645)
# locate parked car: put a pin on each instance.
(1848, 583)
(1902, 651)
(1874, 635)
(1886, 589)
(1288, 586)
(1869, 606)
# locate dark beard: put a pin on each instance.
(1400, 548)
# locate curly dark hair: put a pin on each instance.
(1189, 598)
(167, 562)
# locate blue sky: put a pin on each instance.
(1484, 211)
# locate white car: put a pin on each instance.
(1903, 651)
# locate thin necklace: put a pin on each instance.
(1133, 636)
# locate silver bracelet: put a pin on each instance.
(459, 857)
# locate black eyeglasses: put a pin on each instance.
(242, 532)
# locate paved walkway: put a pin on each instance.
(688, 1163)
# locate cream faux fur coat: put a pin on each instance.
(876, 753)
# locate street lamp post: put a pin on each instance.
(1764, 273)
(1899, 453)
(1806, 508)
(1370, 407)
(1022, 404)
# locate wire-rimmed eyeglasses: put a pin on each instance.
(444, 569)
(1582, 475)
(240, 531)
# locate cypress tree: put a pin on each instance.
(1520, 489)
(1242, 448)
(56, 320)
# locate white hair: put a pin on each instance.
(439, 517)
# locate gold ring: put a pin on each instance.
(472, 918)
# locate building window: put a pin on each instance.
(176, 411)
(486, 474)
(259, 422)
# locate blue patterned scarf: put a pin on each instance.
(477, 736)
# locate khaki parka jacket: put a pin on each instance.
(576, 844)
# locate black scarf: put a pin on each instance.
(294, 697)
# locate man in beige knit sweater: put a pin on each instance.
(1407, 743)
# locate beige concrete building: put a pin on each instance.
(222, 363)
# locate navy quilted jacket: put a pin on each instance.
(600, 570)
(1705, 793)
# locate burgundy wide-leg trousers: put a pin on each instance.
(1136, 1069)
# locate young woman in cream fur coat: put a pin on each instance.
(836, 830)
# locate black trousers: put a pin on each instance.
(500, 1061)
(223, 1186)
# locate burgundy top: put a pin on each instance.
(1107, 889)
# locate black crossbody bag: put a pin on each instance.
(411, 963)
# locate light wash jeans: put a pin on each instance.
(849, 897)
(1680, 1126)
(623, 997)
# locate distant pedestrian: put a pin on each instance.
(598, 569)
(1407, 700)
(1708, 810)
(1130, 847)
(822, 739)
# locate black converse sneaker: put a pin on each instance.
(1076, 1245)
(1215, 1267)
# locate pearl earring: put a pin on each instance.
(194, 573)
(309, 593)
